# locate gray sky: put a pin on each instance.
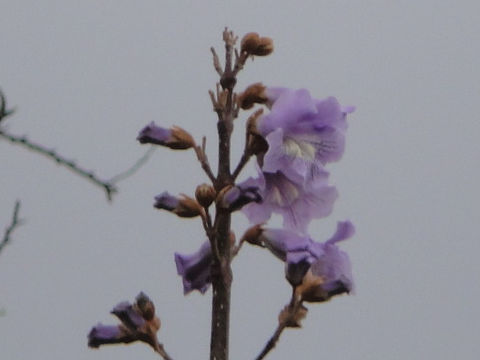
(86, 76)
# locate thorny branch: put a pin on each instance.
(13, 224)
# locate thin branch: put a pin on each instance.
(107, 186)
(13, 224)
(247, 150)
(134, 168)
(3, 107)
(202, 158)
(272, 341)
(293, 307)
(216, 62)
(161, 351)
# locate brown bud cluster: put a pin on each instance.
(253, 44)
(254, 94)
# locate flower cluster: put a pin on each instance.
(293, 138)
(137, 323)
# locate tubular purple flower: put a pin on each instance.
(166, 201)
(303, 133)
(138, 323)
(328, 268)
(174, 138)
(106, 334)
(129, 316)
(195, 269)
(298, 203)
(182, 206)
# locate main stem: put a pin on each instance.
(221, 270)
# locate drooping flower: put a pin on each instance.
(317, 270)
(195, 269)
(298, 203)
(138, 323)
(174, 138)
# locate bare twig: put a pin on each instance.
(13, 224)
(202, 158)
(293, 307)
(247, 151)
(107, 186)
(216, 62)
(134, 168)
(161, 351)
(3, 107)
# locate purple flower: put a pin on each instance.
(235, 197)
(174, 138)
(129, 316)
(182, 206)
(298, 203)
(195, 269)
(138, 323)
(319, 270)
(106, 334)
(303, 133)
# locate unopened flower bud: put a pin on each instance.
(254, 94)
(173, 138)
(235, 197)
(253, 44)
(292, 317)
(138, 323)
(182, 206)
(205, 194)
(145, 306)
(253, 235)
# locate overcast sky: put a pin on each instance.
(86, 76)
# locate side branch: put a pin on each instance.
(13, 224)
(202, 158)
(289, 317)
(134, 168)
(107, 186)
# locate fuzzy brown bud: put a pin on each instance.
(205, 194)
(292, 317)
(145, 306)
(181, 139)
(187, 207)
(254, 94)
(253, 44)
(252, 235)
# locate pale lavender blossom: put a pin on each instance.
(297, 203)
(195, 269)
(325, 260)
(303, 134)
